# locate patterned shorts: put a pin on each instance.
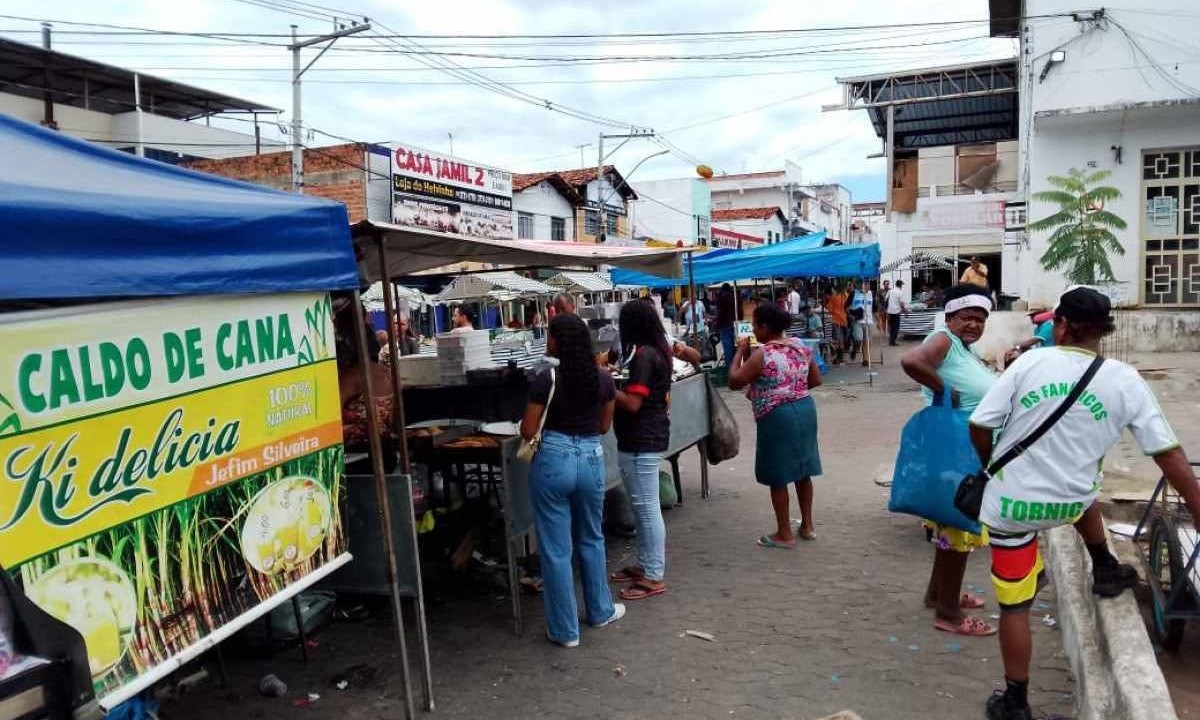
(1017, 570)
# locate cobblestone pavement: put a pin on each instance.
(834, 624)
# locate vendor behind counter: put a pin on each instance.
(355, 428)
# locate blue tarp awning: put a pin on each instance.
(79, 221)
(781, 260)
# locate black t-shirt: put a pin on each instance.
(649, 429)
(565, 416)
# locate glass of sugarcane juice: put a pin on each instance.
(95, 597)
(286, 524)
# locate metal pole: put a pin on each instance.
(297, 147)
(692, 289)
(891, 158)
(137, 107)
(48, 77)
(381, 493)
(603, 227)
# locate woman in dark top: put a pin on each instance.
(643, 431)
(567, 478)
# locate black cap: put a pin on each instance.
(1083, 304)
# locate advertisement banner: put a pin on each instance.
(167, 466)
(438, 192)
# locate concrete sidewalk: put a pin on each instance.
(833, 625)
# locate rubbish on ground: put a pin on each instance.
(271, 686)
(914, 647)
(1122, 529)
(1049, 621)
(308, 700)
(701, 634)
(954, 647)
(994, 616)
(893, 639)
(341, 684)
(946, 695)
(835, 678)
(1042, 606)
(619, 670)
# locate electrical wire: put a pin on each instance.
(173, 33)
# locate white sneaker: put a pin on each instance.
(618, 613)
(564, 643)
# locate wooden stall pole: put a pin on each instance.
(381, 492)
(692, 291)
(406, 466)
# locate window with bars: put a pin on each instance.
(525, 226)
(558, 229)
(1170, 227)
(591, 222)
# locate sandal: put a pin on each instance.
(973, 627)
(971, 602)
(639, 590)
(769, 542)
(627, 575)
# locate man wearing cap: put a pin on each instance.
(1056, 479)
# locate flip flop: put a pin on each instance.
(627, 575)
(640, 591)
(768, 542)
(970, 626)
(971, 602)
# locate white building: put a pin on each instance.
(829, 209)
(98, 102)
(545, 207)
(575, 213)
(1115, 90)
(950, 137)
(671, 210)
(782, 189)
(765, 223)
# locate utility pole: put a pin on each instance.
(602, 230)
(297, 72)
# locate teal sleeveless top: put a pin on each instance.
(963, 371)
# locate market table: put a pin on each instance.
(918, 323)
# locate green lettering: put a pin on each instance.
(173, 356)
(1064, 389)
(284, 345)
(1103, 414)
(135, 468)
(1026, 402)
(1004, 506)
(1035, 510)
(1053, 511)
(264, 332)
(91, 390)
(1073, 511)
(34, 402)
(62, 380)
(195, 355)
(1020, 510)
(224, 359)
(137, 359)
(105, 478)
(113, 368)
(1046, 390)
(245, 346)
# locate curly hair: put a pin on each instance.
(639, 325)
(576, 364)
(773, 317)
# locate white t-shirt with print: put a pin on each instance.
(1059, 476)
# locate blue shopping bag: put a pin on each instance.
(935, 455)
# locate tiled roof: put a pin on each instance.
(759, 213)
(573, 178)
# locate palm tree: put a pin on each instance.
(1082, 239)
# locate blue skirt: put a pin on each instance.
(787, 444)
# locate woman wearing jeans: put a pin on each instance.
(567, 478)
(643, 431)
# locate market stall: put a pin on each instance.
(182, 323)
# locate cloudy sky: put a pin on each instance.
(736, 114)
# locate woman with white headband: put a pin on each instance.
(943, 359)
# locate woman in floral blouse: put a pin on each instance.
(779, 374)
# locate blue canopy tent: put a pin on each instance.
(845, 261)
(81, 221)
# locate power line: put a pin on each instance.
(175, 33)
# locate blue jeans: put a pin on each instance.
(640, 472)
(567, 483)
(727, 345)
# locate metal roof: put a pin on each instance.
(505, 284)
(950, 105)
(30, 71)
(588, 282)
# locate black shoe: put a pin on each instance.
(997, 709)
(622, 531)
(1112, 580)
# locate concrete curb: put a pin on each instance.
(1116, 674)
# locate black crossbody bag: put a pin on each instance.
(969, 496)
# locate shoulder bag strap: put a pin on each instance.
(1017, 450)
(549, 399)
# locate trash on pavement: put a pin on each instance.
(701, 634)
(271, 686)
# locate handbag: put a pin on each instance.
(724, 439)
(529, 447)
(935, 452)
(969, 496)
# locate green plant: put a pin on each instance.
(1082, 239)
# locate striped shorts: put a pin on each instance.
(1017, 570)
